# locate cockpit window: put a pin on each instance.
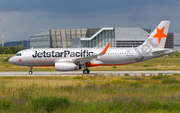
(18, 54)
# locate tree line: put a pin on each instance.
(11, 49)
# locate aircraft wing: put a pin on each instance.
(83, 60)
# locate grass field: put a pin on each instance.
(81, 94)
(162, 63)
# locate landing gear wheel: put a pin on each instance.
(86, 71)
(30, 72)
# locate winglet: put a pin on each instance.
(104, 51)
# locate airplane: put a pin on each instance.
(70, 59)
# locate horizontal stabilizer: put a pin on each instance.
(160, 51)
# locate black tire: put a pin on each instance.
(86, 71)
(30, 72)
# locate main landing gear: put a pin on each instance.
(31, 72)
(86, 70)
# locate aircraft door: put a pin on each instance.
(29, 57)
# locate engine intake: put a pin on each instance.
(66, 66)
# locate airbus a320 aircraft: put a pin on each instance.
(69, 59)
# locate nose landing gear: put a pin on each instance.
(31, 72)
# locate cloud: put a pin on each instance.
(79, 6)
(137, 17)
(18, 25)
(24, 18)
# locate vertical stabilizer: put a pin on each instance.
(158, 37)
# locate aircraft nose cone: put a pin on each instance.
(12, 60)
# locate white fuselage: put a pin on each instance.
(48, 57)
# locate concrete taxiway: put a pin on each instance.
(76, 73)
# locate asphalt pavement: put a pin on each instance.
(76, 73)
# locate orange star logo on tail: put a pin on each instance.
(160, 34)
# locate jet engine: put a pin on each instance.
(66, 66)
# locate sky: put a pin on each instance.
(24, 18)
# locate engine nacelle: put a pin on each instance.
(66, 66)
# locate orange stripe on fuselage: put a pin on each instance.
(89, 65)
(42, 60)
(44, 65)
(93, 64)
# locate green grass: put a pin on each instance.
(159, 77)
(126, 74)
(49, 103)
(170, 81)
(5, 104)
(90, 94)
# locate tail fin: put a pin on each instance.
(158, 37)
